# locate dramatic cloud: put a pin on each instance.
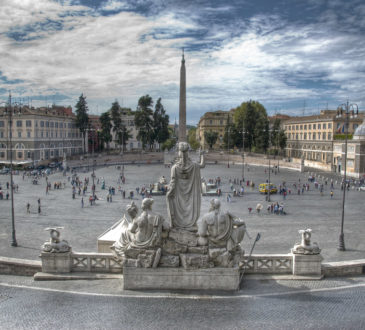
(234, 52)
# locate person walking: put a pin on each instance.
(331, 194)
(82, 202)
(28, 208)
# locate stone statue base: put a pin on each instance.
(225, 279)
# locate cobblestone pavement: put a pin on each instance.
(279, 233)
(262, 304)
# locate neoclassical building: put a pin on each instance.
(215, 121)
(39, 134)
(355, 164)
(312, 138)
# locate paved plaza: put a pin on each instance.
(262, 304)
(278, 232)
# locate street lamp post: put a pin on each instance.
(229, 129)
(9, 111)
(243, 153)
(347, 110)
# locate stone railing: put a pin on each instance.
(95, 262)
(269, 264)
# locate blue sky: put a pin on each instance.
(292, 56)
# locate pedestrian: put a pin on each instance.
(82, 202)
(331, 194)
(28, 207)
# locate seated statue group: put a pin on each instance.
(212, 240)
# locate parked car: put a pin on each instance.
(264, 188)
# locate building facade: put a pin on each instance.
(39, 134)
(312, 138)
(132, 143)
(215, 121)
(355, 158)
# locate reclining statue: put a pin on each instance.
(220, 228)
(142, 232)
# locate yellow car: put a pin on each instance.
(264, 188)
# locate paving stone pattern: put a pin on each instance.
(279, 233)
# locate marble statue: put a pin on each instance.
(143, 232)
(184, 194)
(220, 228)
(305, 246)
(55, 245)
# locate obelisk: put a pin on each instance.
(182, 103)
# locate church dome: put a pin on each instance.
(360, 132)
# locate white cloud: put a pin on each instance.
(119, 56)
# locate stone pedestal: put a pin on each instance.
(56, 262)
(307, 264)
(226, 279)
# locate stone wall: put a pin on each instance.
(13, 266)
(343, 268)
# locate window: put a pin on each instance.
(69, 125)
(2, 154)
(221, 122)
(42, 123)
(305, 136)
(19, 134)
(56, 124)
(309, 136)
(19, 123)
(301, 126)
(296, 127)
(1, 123)
(42, 134)
(329, 125)
(355, 126)
(47, 134)
(51, 124)
(310, 126)
(28, 123)
(61, 125)
(296, 136)
(314, 136)
(319, 126)
(28, 134)
(211, 122)
(323, 136)
(20, 154)
(324, 126)
(329, 136)
(47, 123)
(314, 126)
(305, 126)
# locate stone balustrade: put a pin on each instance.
(269, 264)
(95, 262)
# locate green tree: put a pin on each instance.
(82, 118)
(143, 120)
(160, 123)
(282, 140)
(123, 136)
(231, 135)
(262, 134)
(116, 117)
(211, 138)
(169, 144)
(106, 127)
(250, 119)
(194, 143)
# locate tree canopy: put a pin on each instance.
(144, 121)
(211, 138)
(82, 118)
